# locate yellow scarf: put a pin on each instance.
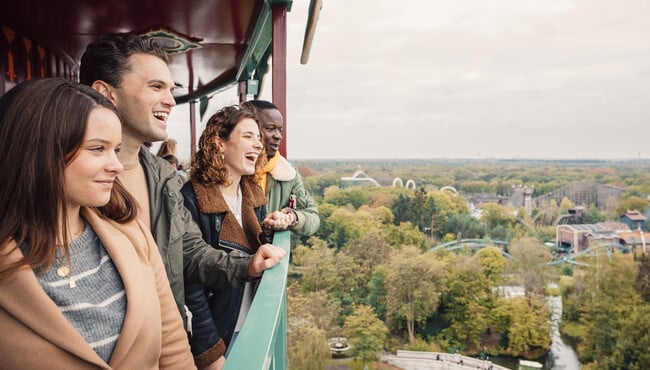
(270, 165)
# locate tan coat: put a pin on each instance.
(34, 334)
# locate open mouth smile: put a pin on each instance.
(162, 116)
(252, 157)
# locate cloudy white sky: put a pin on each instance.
(469, 79)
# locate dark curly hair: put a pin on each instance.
(208, 168)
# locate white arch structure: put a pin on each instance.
(361, 176)
(410, 184)
(451, 189)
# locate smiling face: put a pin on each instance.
(144, 98)
(272, 126)
(242, 148)
(89, 176)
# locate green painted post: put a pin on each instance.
(280, 359)
(261, 343)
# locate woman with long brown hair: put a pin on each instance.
(82, 283)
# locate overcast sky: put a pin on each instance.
(468, 79)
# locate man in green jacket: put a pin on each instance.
(281, 182)
(133, 72)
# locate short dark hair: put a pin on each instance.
(259, 105)
(107, 59)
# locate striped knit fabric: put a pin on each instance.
(97, 305)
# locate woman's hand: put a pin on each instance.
(280, 220)
(267, 256)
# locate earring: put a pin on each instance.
(223, 157)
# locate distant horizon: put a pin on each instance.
(595, 159)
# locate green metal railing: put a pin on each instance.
(262, 341)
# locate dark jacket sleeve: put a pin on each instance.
(266, 236)
(203, 264)
(205, 342)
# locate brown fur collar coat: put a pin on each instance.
(210, 200)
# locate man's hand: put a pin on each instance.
(267, 256)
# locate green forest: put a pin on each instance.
(377, 272)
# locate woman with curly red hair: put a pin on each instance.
(226, 202)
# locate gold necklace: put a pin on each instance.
(62, 269)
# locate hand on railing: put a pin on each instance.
(267, 256)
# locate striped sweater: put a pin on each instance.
(96, 306)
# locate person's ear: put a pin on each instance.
(105, 89)
(220, 144)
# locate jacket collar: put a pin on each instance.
(283, 171)
(209, 203)
(155, 167)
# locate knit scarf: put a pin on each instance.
(270, 165)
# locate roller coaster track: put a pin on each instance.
(472, 243)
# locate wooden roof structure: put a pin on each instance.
(213, 44)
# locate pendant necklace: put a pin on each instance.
(62, 270)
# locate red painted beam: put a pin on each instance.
(279, 66)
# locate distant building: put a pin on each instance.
(577, 238)
(574, 216)
(522, 196)
(635, 239)
(635, 220)
(646, 212)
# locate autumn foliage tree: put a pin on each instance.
(414, 282)
(365, 333)
(468, 300)
(309, 317)
(530, 264)
(632, 203)
(528, 326)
